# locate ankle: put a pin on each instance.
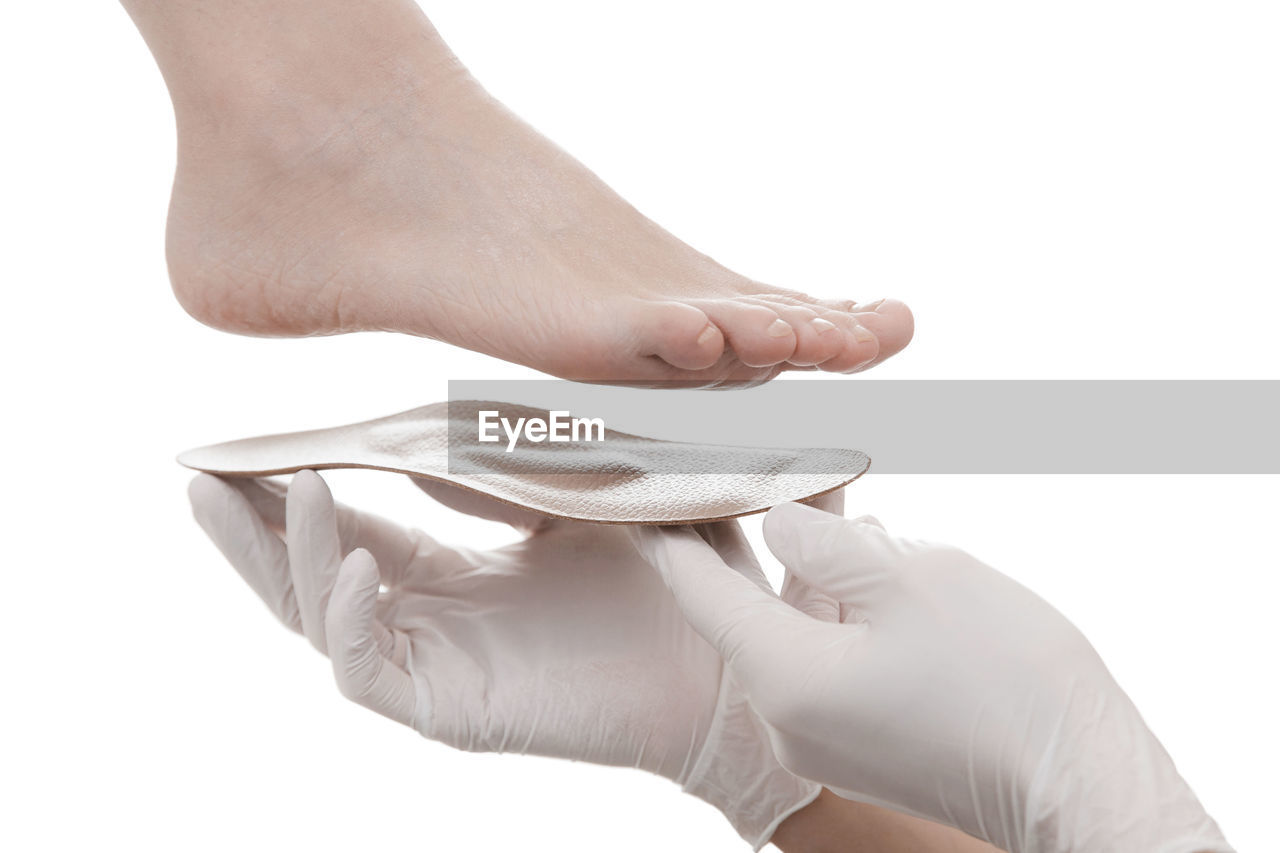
(280, 74)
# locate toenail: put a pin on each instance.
(871, 306)
(708, 334)
(862, 334)
(779, 329)
(823, 325)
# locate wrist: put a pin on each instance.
(1108, 786)
(833, 824)
(736, 772)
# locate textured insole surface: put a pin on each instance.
(624, 479)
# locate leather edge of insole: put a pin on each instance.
(336, 466)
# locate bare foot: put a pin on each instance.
(339, 170)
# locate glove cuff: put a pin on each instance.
(1077, 792)
(736, 771)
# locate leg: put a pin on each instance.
(339, 170)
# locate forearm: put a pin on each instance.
(832, 824)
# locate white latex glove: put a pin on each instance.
(945, 690)
(564, 644)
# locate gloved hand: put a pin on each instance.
(939, 687)
(564, 644)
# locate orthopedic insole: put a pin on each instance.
(622, 479)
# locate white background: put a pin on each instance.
(1080, 190)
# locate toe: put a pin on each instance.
(872, 331)
(888, 321)
(817, 339)
(860, 347)
(681, 335)
(892, 324)
(758, 336)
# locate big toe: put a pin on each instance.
(679, 334)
